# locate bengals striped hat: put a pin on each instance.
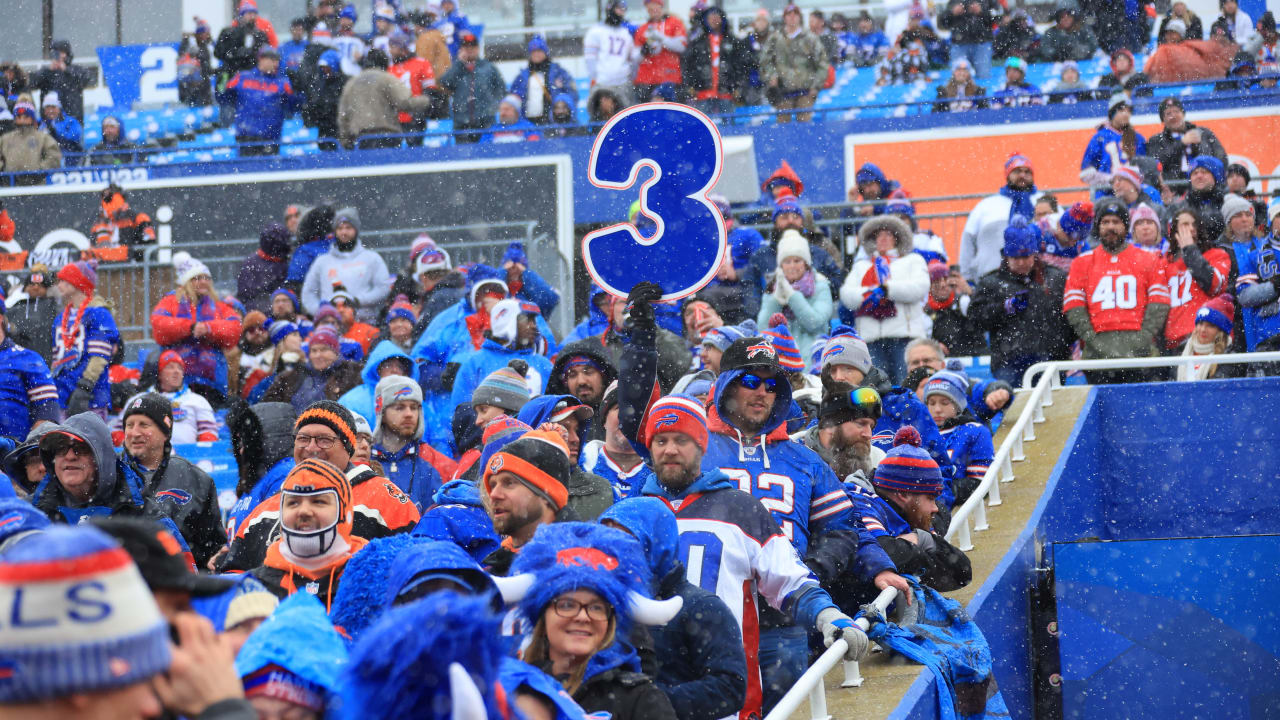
(333, 416)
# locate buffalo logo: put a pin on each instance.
(377, 406)
(495, 464)
(401, 394)
(587, 557)
(666, 420)
(10, 521)
(181, 497)
(761, 349)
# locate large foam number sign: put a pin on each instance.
(680, 147)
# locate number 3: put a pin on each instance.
(681, 147)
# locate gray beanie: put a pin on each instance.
(390, 390)
(505, 388)
(347, 214)
(1233, 205)
(847, 350)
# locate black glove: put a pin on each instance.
(79, 401)
(1275, 283)
(639, 316)
(449, 375)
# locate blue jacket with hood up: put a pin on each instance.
(458, 516)
(359, 399)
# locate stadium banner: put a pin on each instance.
(962, 160)
(140, 73)
(480, 205)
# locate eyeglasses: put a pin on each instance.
(569, 608)
(753, 382)
(324, 443)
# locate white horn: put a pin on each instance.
(648, 611)
(514, 588)
(468, 702)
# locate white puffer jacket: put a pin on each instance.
(907, 285)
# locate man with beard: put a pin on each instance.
(983, 236)
(1116, 297)
(524, 486)
(582, 369)
(285, 307)
(846, 422)
(397, 440)
(897, 508)
(350, 264)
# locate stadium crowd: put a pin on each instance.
(379, 90)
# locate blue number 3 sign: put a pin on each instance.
(681, 148)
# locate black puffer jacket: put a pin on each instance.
(261, 435)
(1040, 330)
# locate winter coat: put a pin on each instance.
(183, 503)
(204, 359)
(1195, 28)
(765, 261)
(937, 563)
(589, 495)
(446, 294)
(982, 239)
(1174, 156)
(1040, 331)
(262, 442)
(968, 28)
(27, 392)
(264, 271)
(323, 91)
(262, 103)
(412, 470)
(68, 82)
(68, 132)
(954, 97)
(490, 357)
(360, 399)
(371, 103)
(674, 358)
(799, 63)
(614, 684)
(362, 271)
(31, 324)
(302, 385)
(906, 287)
(194, 498)
(590, 347)
(699, 70)
(956, 329)
(95, 337)
(1058, 45)
(237, 47)
(29, 148)
(458, 515)
(812, 313)
(304, 256)
(476, 91)
(553, 80)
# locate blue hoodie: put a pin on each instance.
(444, 556)
(538, 410)
(597, 321)
(458, 516)
(493, 356)
(299, 638)
(269, 484)
(870, 172)
(359, 399)
(703, 667)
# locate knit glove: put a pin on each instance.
(1016, 304)
(639, 316)
(834, 624)
(79, 400)
(873, 299)
(782, 289)
(882, 269)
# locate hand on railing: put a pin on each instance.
(834, 624)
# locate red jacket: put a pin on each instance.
(173, 319)
(1186, 295)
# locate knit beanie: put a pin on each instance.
(676, 413)
(1021, 239)
(247, 600)
(347, 215)
(1233, 205)
(1210, 163)
(907, 467)
(325, 335)
(1017, 160)
(786, 204)
(293, 298)
(402, 309)
(280, 329)
(333, 416)
(187, 268)
(1118, 100)
(82, 275)
(498, 433)
(788, 352)
(842, 402)
(793, 244)
(1077, 219)
(327, 311)
(899, 204)
(169, 357)
(71, 644)
(848, 350)
(157, 408)
(722, 337)
(949, 384)
(432, 258)
(1219, 311)
(750, 352)
(540, 458)
(1111, 206)
(1143, 211)
(389, 391)
(19, 519)
(938, 270)
(504, 388)
(314, 476)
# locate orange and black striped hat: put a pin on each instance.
(333, 416)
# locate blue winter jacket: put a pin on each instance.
(262, 102)
(410, 471)
(67, 131)
(493, 356)
(269, 484)
(597, 321)
(559, 82)
(304, 255)
(359, 399)
(27, 393)
(702, 665)
(458, 516)
(901, 407)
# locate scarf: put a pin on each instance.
(940, 305)
(477, 324)
(806, 284)
(270, 258)
(1020, 201)
(1201, 370)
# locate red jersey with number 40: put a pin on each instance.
(1115, 288)
(1186, 296)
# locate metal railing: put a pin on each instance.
(810, 686)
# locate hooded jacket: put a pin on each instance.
(315, 234)
(589, 495)
(31, 324)
(459, 516)
(702, 665)
(590, 347)
(183, 505)
(360, 398)
(727, 68)
(493, 356)
(416, 468)
(190, 499)
(614, 684)
(265, 270)
(361, 270)
(262, 442)
(555, 81)
(937, 563)
(27, 393)
(906, 287)
(597, 320)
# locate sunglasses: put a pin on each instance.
(753, 382)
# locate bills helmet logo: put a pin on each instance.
(666, 420)
(495, 464)
(587, 557)
(400, 394)
(181, 497)
(762, 349)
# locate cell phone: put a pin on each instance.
(698, 315)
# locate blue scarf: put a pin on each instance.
(1021, 204)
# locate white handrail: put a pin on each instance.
(810, 686)
(1128, 363)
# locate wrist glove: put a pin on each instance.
(1016, 304)
(882, 268)
(834, 624)
(782, 289)
(79, 401)
(873, 299)
(638, 315)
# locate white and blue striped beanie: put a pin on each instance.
(78, 618)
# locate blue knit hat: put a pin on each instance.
(78, 618)
(18, 520)
(1021, 239)
(950, 384)
(722, 337)
(787, 204)
(293, 298)
(537, 43)
(907, 467)
(1218, 311)
(1210, 163)
(280, 329)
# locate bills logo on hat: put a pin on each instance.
(181, 497)
(666, 420)
(8, 521)
(761, 349)
(587, 557)
(377, 405)
(403, 392)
